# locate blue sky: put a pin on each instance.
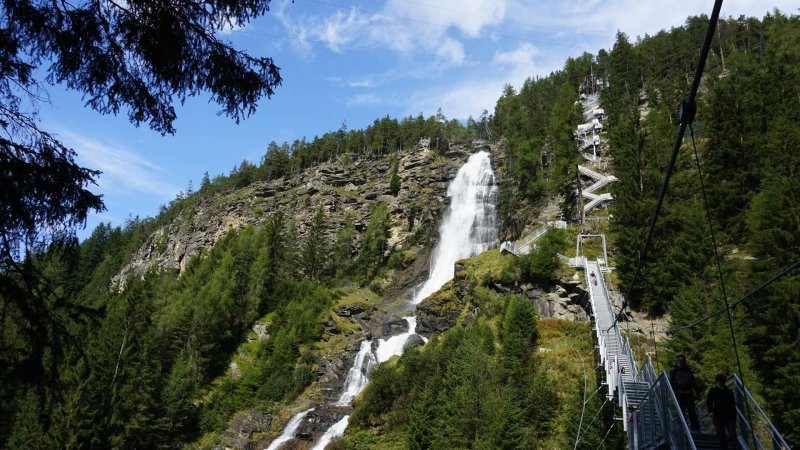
(354, 61)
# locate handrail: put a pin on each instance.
(590, 173)
(623, 401)
(686, 434)
(657, 419)
(539, 232)
(653, 403)
(661, 405)
(763, 428)
(522, 246)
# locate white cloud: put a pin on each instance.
(363, 83)
(123, 170)
(469, 97)
(341, 29)
(596, 21)
(451, 51)
(521, 57)
(468, 16)
(364, 100)
(297, 32)
(459, 101)
(404, 27)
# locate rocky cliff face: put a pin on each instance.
(346, 189)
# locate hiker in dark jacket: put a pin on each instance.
(684, 385)
(722, 407)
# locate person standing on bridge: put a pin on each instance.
(684, 385)
(722, 407)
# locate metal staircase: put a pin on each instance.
(601, 181)
(651, 416)
(526, 244)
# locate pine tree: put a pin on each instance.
(519, 334)
(374, 243)
(394, 181)
(421, 417)
(511, 427)
(343, 249)
(314, 250)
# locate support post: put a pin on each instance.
(580, 194)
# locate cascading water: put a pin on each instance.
(470, 224)
(358, 374)
(394, 345)
(288, 432)
(334, 431)
(469, 227)
(369, 355)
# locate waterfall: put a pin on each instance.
(368, 357)
(469, 227)
(288, 432)
(357, 375)
(394, 345)
(470, 223)
(335, 430)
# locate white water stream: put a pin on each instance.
(469, 227)
(288, 432)
(334, 431)
(358, 375)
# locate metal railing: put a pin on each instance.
(754, 429)
(523, 246)
(658, 418)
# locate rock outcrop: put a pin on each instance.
(242, 428)
(345, 189)
(566, 302)
(454, 304)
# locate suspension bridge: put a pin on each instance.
(650, 413)
(651, 416)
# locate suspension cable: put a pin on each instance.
(687, 113)
(716, 254)
(607, 433)
(595, 393)
(586, 430)
(733, 305)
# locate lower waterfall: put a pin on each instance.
(469, 227)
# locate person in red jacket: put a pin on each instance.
(722, 407)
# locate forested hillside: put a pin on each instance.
(146, 362)
(150, 365)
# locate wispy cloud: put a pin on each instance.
(470, 17)
(470, 96)
(403, 27)
(464, 51)
(364, 100)
(364, 83)
(598, 20)
(124, 171)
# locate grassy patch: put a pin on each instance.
(354, 296)
(365, 440)
(561, 346)
(565, 354)
(345, 193)
(487, 266)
